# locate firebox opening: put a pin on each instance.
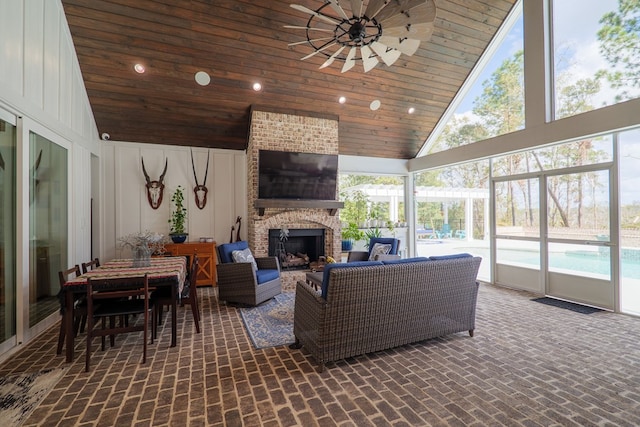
(300, 249)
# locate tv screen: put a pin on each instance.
(301, 176)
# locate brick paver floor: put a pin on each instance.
(528, 364)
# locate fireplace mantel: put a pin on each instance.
(331, 206)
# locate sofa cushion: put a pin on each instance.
(329, 267)
(263, 276)
(379, 249)
(227, 249)
(244, 255)
(405, 260)
(452, 256)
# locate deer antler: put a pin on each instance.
(193, 166)
(166, 163)
(146, 175)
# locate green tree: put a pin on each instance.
(619, 39)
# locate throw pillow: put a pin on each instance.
(244, 255)
(379, 249)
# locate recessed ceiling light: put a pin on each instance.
(375, 104)
(411, 110)
(342, 100)
(139, 68)
(257, 87)
(202, 78)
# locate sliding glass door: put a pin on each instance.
(7, 233)
(48, 217)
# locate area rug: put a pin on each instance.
(270, 324)
(21, 394)
(578, 308)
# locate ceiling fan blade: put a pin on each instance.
(315, 52)
(297, 27)
(406, 46)
(356, 7)
(420, 32)
(335, 5)
(387, 54)
(349, 63)
(399, 6)
(332, 57)
(369, 60)
(374, 7)
(422, 14)
(309, 41)
(319, 15)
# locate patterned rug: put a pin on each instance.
(271, 323)
(21, 394)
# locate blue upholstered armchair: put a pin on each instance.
(376, 251)
(244, 279)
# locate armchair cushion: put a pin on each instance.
(263, 276)
(385, 241)
(244, 255)
(379, 249)
(226, 250)
(329, 267)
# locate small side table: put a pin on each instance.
(315, 279)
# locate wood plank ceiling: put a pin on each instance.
(239, 42)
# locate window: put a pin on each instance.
(596, 54)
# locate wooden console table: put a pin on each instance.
(207, 275)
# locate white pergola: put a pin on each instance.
(394, 194)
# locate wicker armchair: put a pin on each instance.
(241, 283)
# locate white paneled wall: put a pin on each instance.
(39, 72)
(127, 210)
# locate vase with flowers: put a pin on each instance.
(178, 217)
(142, 245)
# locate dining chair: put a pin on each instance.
(78, 311)
(116, 298)
(90, 265)
(162, 297)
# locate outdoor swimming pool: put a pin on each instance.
(579, 261)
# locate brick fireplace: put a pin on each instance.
(297, 132)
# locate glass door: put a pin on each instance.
(7, 234)
(579, 246)
(516, 221)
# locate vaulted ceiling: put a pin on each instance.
(239, 42)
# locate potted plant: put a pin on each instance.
(178, 217)
(350, 234)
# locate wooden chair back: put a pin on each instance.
(86, 266)
(112, 298)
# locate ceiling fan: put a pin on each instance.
(382, 31)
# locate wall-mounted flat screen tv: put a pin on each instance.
(299, 176)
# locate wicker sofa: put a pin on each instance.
(370, 306)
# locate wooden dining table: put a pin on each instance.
(162, 272)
